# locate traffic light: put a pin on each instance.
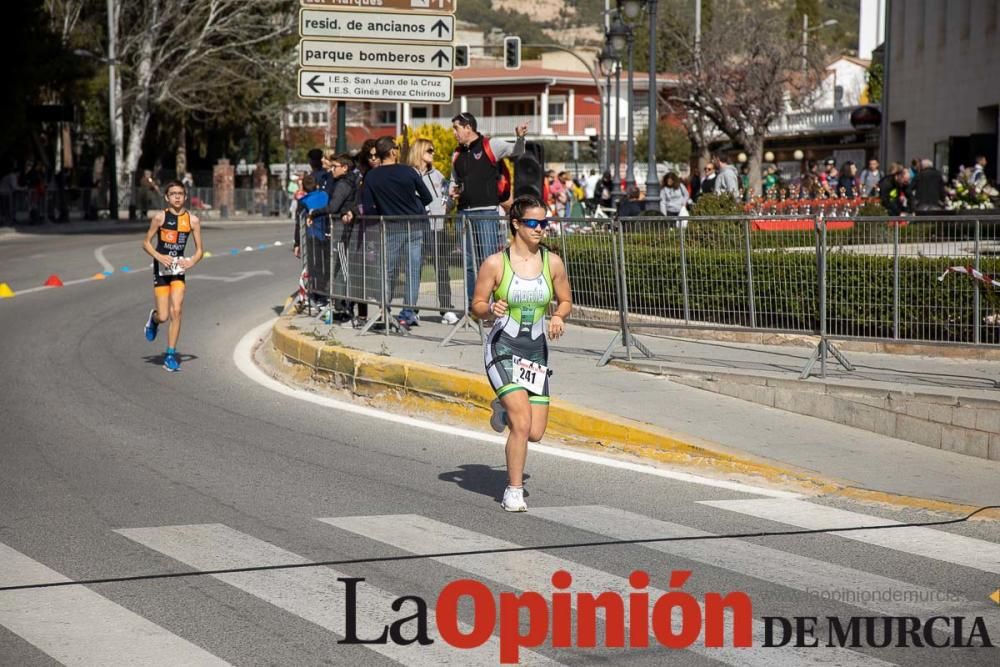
(512, 52)
(595, 145)
(461, 55)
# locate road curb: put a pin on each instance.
(422, 386)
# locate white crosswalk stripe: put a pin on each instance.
(310, 593)
(531, 571)
(77, 626)
(928, 542)
(865, 590)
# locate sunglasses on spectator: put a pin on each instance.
(534, 223)
(430, 150)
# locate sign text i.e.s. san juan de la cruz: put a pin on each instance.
(380, 50)
(364, 86)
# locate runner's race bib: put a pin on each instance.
(530, 375)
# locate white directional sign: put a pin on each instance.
(375, 87)
(368, 57)
(376, 26)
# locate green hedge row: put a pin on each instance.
(859, 289)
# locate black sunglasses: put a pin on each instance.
(430, 150)
(533, 223)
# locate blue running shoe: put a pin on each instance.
(172, 362)
(152, 326)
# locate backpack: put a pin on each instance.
(505, 179)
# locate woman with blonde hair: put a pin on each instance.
(421, 158)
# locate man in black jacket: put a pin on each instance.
(398, 191)
(474, 175)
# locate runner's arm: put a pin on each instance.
(489, 278)
(198, 247)
(564, 297)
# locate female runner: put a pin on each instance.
(516, 286)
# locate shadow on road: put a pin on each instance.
(482, 479)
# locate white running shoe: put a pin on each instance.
(513, 499)
(498, 420)
(449, 318)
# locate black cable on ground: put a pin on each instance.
(480, 552)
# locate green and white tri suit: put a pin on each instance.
(521, 331)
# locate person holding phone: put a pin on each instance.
(516, 286)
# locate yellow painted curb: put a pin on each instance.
(467, 396)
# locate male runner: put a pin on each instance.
(171, 227)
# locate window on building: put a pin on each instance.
(557, 110)
(297, 118)
(420, 112)
(513, 107)
(385, 114)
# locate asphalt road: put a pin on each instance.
(111, 467)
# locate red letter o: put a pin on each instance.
(485, 613)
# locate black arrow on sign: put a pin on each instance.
(440, 57)
(441, 27)
(313, 85)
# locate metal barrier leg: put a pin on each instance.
(623, 336)
(466, 321)
(823, 350)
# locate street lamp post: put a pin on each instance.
(805, 38)
(623, 39)
(631, 9)
(606, 63)
(616, 194)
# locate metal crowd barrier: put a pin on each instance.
(882, 279)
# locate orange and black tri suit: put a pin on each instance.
(171, 239)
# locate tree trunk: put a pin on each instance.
(181, 157)
(755, 151)
(138, 119)
(136, 131)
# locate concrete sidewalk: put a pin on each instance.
(833, 454)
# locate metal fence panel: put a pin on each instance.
(884, 279)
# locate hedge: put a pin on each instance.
(859, 288)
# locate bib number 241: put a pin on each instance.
(530, 375)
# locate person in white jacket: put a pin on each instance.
(421, 158)
(673, 196)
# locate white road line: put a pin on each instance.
(76, 626)
(243, 358)
(99, 256)
(532, 570)
(926, 542)
(861, 589)
(310, 593)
